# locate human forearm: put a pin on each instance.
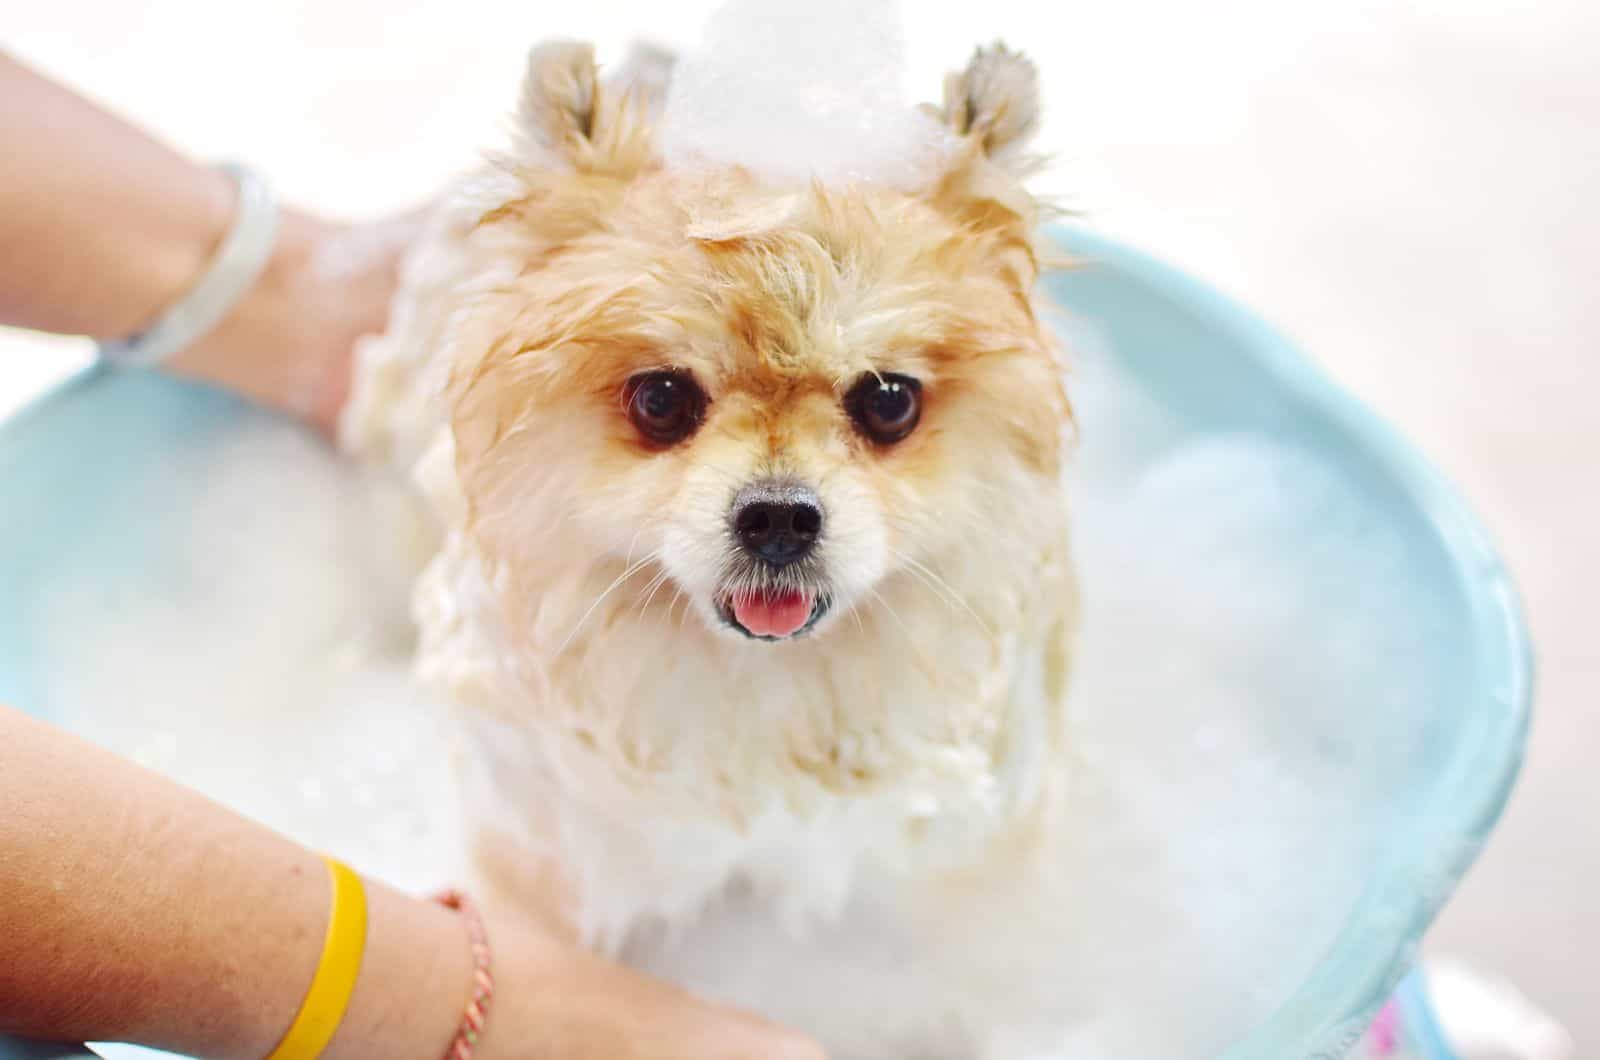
(134, 910)
(100, 225)
(102, 228)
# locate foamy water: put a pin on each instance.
(1245, 673)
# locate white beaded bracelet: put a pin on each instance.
(238, 263)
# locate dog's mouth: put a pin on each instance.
(773, 614)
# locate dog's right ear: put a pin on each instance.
(570, 119)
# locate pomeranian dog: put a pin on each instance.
(752, 577)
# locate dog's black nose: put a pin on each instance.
(778, 524)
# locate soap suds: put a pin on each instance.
(801, 92)
(1242, 717)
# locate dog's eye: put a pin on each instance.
(885, 407)
(665, 407)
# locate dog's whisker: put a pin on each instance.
(655, 587)
(934, 587)
(628, 571)
(940, 587)
(632, 542)
(677, 597)
(912, 647)
(892, 613)
(650, 587)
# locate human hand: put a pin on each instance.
(289, 343)
(554, 1000)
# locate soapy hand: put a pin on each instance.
(102, 228)
(288, 345)
(553, 1000)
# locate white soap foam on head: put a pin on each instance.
(799, 92)
(1241, 719)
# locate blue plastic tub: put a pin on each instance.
(70, 488)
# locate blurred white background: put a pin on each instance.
(1408, 188)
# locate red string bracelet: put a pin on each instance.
(482, 981)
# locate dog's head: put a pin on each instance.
(771, 401)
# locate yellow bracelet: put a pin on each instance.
(329, 995)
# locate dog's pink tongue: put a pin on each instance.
(773, 614)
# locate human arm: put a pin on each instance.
(102, 227)
(133, 909)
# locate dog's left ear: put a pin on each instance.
(994, 103)
(570, 118)
(993, 107)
